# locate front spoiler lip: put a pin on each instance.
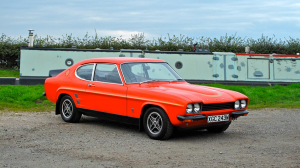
(203, 117)
(239, 113)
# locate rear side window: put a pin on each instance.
(107, 73)
(85, 72)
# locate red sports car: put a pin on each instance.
(144, 92)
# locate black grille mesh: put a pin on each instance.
(220, 106)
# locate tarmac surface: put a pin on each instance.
(264, 138)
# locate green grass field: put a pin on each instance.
(24, 98)
(269, 96)
(9, 73)
(29, 98)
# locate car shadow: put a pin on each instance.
(178, 134)
(107, 123)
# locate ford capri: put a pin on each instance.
(144, 92)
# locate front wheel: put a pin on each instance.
(218, 129)
(68, 110)
(157, 124)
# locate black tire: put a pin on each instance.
(219, 128)
(157, 124)
(68, 110)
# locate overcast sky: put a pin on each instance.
(155, 18)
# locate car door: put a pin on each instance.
(79, 83)
(106, 90)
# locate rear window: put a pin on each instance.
(85, 72)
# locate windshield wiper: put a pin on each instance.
(179, 79)
(156, 80)
(152, 80)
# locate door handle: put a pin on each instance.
(91, 85)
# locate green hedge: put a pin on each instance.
(10, 47)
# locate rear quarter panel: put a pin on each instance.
(50, 89)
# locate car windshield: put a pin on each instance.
(139, 72)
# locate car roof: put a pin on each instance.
(119, 60)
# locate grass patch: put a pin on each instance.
(9, 73)
(24, 98)
(30, 98)
(268, 97)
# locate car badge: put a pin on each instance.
(67, 73)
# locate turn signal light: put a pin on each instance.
(188, 120)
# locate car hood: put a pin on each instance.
(196, 93)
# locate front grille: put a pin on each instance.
(220, 106)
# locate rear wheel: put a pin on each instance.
(157, 124)
(218, 129)
(68, 110)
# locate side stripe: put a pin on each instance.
(118, 95)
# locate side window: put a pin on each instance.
(85, 71)
(107, 73)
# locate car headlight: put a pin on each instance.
(189, 108)
(243, 104)
(240, 104)
(197, 108)
(237, 104)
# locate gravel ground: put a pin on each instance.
(265, 138)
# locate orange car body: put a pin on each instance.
(129, 101)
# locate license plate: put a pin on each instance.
(218, 118)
